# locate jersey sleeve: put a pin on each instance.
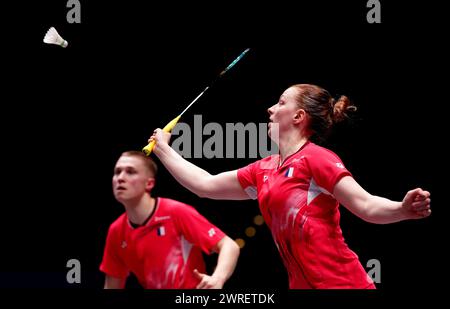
(247, 179)
(112, 265)
(197, 229)
(326, 169)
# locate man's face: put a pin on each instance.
(131, 179)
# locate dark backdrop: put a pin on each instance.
(129, 68)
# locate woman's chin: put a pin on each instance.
(273, 135)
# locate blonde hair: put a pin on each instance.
(148, 162)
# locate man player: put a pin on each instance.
(158, 239)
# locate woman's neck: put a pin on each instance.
(290, 145)
(138, 211)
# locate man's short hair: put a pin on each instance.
(148, 162)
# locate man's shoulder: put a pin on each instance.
(173, 206)
(118, 223)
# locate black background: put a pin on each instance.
(132, 67)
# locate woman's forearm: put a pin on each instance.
(370, 208)
(187, 174)
(223, 186)
(381, 210)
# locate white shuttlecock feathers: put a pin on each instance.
(53, 37)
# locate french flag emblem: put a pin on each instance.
(161, 231)
(289, 172)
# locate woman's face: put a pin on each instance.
(282, 114)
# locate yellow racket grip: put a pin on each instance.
(147, 150)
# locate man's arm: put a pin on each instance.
(226, 262)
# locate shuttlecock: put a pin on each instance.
(52, 37)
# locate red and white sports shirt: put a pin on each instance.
(297, 204)
(164, 252)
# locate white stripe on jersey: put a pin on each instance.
(314, 190)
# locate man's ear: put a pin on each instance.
(299, 116)
(150, 184)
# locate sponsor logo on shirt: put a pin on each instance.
(211, 232)
(162, 218)
(161, 231)
(124, 244)
(340, 165)
(265, 178)
(298, 159)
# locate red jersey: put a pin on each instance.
(297, 204)
(164, 252)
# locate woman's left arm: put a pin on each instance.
(380, 210)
